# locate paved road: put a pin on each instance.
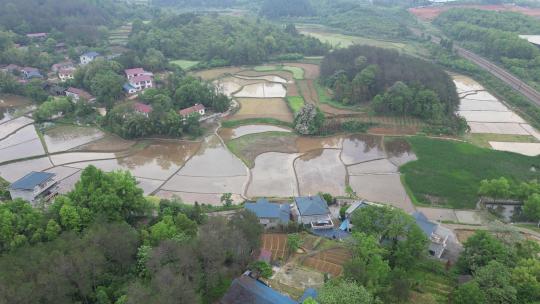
(511, 80)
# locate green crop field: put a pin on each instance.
(184, 64)
(295, 103)
(448, 173)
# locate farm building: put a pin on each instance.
(249, 289)
(270, 215)
(66, 74)
(313, 211)
(33, 187)
(78, 94)
(197, 108)
(437, 242)
(142, 108)
(86, 58)
(31, 73)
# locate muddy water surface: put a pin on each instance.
(14, 171)
(262, 90)
(13, 125)
(228, 134)
(320, 171)
(63, 138)
(13, 105)
(399, 151)
(273, 175)
(361, 148)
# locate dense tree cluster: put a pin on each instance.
(33, 90)
(103, 79)
(178, 92)
(504, 271)
(387, 246)
(104, 243)
(495, 35)
(286, 8)
(502, 188)
(220, 40)
(309, 120)
(78, 21)
(395, 84)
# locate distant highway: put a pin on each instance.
(511, 80)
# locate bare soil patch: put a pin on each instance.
(292, 89)
(330, 261)
(250, 146)
(283, 74)
(263, 108)
(311, 71)
(430, 13)
(276, 243)
(216, 73)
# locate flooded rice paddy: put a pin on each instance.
(485, 114)
(263, 108)
(63, 138)
(262, 90)
(12, 106)
(228, 134)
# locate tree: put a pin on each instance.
(367, 266)
(335, 291)
(309, 120)
(19, 224)
(294, 242)
(531, 208)
(494, 279)
(526, 280)
(262, 268)
(469, 293)
(107, 87)
(226, 199)
(496, 188)
(482, 248)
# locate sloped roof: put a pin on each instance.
(424, 224)
(264, 209)
(143, 108)
(309, 292)
(247, 290)
(91, 54)
(311, 205)
(80, 92)
(140, 78)
(30, 180)
(188, 111)
(354, 206)
(134, 71)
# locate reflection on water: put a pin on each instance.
(273, 175)
(11, 105)
(14, 171)
(320, 172)
(263, 90)
(62, 138)
(399, 151)
(361, 148)
(306, 144)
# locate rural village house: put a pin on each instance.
(86, 58)
(66, 74)
(142, 108)
(37, 35)
(437, 242)
(197, 108)
(77, 94)
(270, 215)
(31, 73)
(33, 187)
(62, 66)
(249, 289)
(313, 211)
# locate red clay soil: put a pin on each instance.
(432, 12)
(329, 261)
(276, 243)
(311, 71)
(292, 90)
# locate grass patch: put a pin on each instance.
(251, 121)
(184, 64)
(531, 226)
(434, 283)
(324, 97)
(448, 173)
(482, 140)
(298, 73)
(295, 103)
(248, 147)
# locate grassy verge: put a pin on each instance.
(532, 227)
(482, 140)
(448, 173)
(184, 64)
(250, 121)
(325, 98)
(295, 103)
(434, 283)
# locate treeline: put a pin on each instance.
(504, 269)
(33, 89)
(104, 242)
(396, 83)
(528, 193)
(363, 19)
(221, 40)
(286, 8)
(75, 20)
(178, 92)
(495, 35)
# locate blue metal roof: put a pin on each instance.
(127, 87)
(309, 292)
(311, 205)
(34, 74)
(331, 233)
(264, 209)
(32, 179)
(345, 225)
(91, 54)
(424, 224)
(246, 289)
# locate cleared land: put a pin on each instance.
(276, 243)
(448, 173)
(184, 64)
(329, 261)
(248, 147)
